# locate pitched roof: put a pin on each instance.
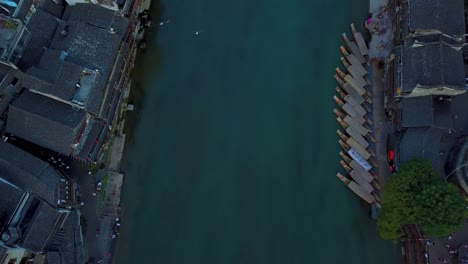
(426, 111)
(10, 197)
(41, 228)
(33, 51)
(28, 173)
(51, 7)
(93, 47)
(431, 64)
(423, 143)
(98, 16)
(66, 243)
(42, 27)
(43, 24)
(61, 74)
(45, 122)
(446, 16)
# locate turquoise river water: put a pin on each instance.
(234, 152)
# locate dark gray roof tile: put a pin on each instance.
(93, 48)
(431, 65)
(45, 122)
(42, 228)
(29, 173)
(52, 8)
(43, 24)
(10, 197)
(422, 143)
(98, 16)
(446, 16)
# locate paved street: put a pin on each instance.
(439, 251)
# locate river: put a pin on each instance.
(234, 153)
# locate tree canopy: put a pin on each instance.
(417, 195)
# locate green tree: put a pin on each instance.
(417, 195)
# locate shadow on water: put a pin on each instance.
(148, 62)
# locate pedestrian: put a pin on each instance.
(426, 255)
(450, 237)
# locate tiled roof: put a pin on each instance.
(53, 258)
(41, 228)
(62, 74)
(431, 64)
(43, 24)
(51, 7)
(10, 196)
(422, 143)
(45, 122)
(426, 111)
(93, 48)
(66, 244)
(33, 51)
(28, 172)
(97, 16)
(417, 111)
(446, 16)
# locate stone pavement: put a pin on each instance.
(116, 152)
(381, 125)
(439, 251)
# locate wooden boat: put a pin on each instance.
(345, 63)
(370, 138)
(338, 101)
(342, 123)
(376, 185)
(339, 113)
(359, 169)
(340, 92)
(366, 107)
(376, 197)
(346, 40)
(341, 135)
(360, 41)
(343, 145)
(345, 157)
(356, 125)
(344, 51)
(356, 189)
(359, 149)
(363, 183)
(340, 73)
(356, 136)
(345, 166)
(354, 61)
